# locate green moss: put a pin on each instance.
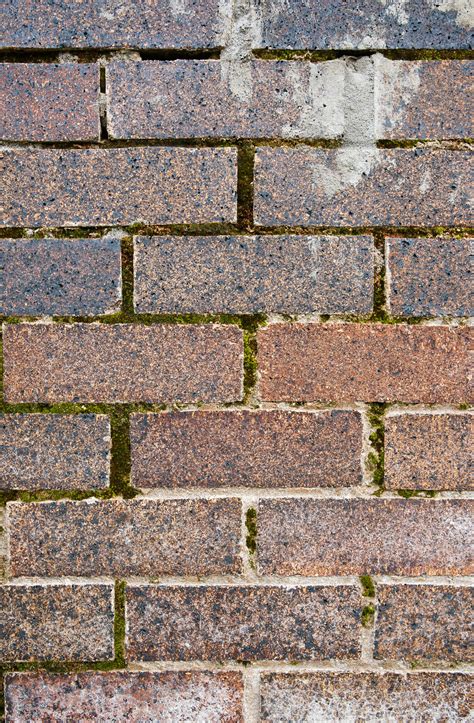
(250, 364)
(367, 616)
(121, 457)
(119, 623)
(245, 173)
(407, 494)
(375, 461)
(464, 406)
(368, 587)
(251, 525)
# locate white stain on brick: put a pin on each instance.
(396, 85)
(244, 32)
(464, 10)
(397, 9)
(178, 7)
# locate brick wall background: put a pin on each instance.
(235, 432)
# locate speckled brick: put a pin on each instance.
(117, 186)
(430, 276)
(56, 622)
(122, 363)
(248, 274)
(335, 697)
(167, 697)
(354, 537)
(246, 449)
(364, 362)
(46, 102)
(242, 623)
(54, 451)
(424, 622)
(361, 186)
(429, 451)
(122, 538)
(46, 277)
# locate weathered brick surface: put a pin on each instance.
(124, 696)
(424, 622)
(365, 362)
(56, 622)
(353, 537)
(360, 185)
(243, 623)
(54, 451)
(429, 451)
(248, 274)
(60, 276)
(246, 448)
(117, 186)
(122, 363)
(430, 276)
(125, 537)
(44, 102)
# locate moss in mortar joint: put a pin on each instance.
(407, 494)
(375, 458)
(367, 616)
(368, 586)
(251, 525)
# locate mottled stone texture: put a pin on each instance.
(242, 623)
(54, 451)
(424, 622)
(56, 622)
(246, 449)
(49, 102)
(122, 363)
(354, 537)
(430, 276)
(336, 697)
(429, 451)
(362, 185)
(202, 697)
(248, 274)
(364, 362)
(111, 186)
(125, 537)
(78, 277)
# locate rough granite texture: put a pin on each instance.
(242, 623)
(249, 274)
(246, 449)
(424, 622)
(122, 363)
(54, 451)
(119, 538)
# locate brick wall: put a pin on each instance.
(236, 432)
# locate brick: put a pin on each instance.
(54, 451)
(242, 623)
(79, 277)
(118, 186)
(364, 362)
(246, 449)
(429, 276)
(248, 274)
(46, 102)
(335, 697)
(57, 622)
(211, 98)
(424, 622)
(140, 537)
(355, 537)
(125, 696)
(361, 186)
(122, 363)
(429, 451)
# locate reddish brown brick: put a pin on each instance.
(354, 537)
(54, 451)
(424, 622)
(242, 623)
(246, 449)
(49, 102)
(141, 537)
(125, 696)
(118, 186)
(364, 362)
(429, 451)
(122, 363)
(57, 622)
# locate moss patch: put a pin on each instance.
(368, 587)
(251, 525)
(367, 616)
(375, 458)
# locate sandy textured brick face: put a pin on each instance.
(424, 622)
(364, 362)
(125, 538)
(122, 363)
(242, 623)
(57, 622)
